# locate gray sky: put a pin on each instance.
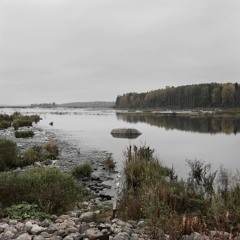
(86, 50)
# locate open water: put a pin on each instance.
(215, 141)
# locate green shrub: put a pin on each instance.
(22, 123)
(6, 117)
(4, 124)
(154, 193)
(19, 120)
(142, 153)
(83, 170)
(36, 153)
(29, 157)
(109, 162)
(26, 211)
(135, 173)
(35, 118)
(130, 204)
(235, 196)
(50, 189)
(8, 154)
(141, 167)
(234, 203)
(51, 150)
(200, 180)
(24, 134)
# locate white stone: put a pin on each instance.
(19, 226)
(121, 236)
(141, 224)
(9, 234)
(117, 230)
(120, 223)
(68, 238)
(45, 234)
(4, 225)
(12, 229)
(37, 229)
(93, 233)
(28, 225)
(129, 225)
(24, 236)
(87, 216)
(38, 238)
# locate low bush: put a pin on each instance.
(4, 124)
(50, 150)
(50, 189)
(24, 134)
(35, 118)
(135, 173)
(109, 162)
(142, 168)
(154, 193)
(22, 123)
(8, 154)
(83, 170)
(9, 158)
(130, 204)
(29, 157)
(26, 211)
(17, 120)
(6, 117)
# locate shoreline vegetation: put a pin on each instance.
(207, 203)
(195, 112)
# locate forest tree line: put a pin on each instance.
(213, 95)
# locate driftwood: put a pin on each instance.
(125, 133)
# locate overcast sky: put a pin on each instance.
(86, 50)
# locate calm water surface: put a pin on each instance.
(215, 141)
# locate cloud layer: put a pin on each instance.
(86, 50)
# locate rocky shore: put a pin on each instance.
(79, 224)
(89, 220)
(102, 181)
(84, 224)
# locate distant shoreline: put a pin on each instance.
(199, 112)
(93, 104)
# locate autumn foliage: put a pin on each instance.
(190, 96)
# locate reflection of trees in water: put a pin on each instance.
(185, 123)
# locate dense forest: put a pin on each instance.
(213, 95)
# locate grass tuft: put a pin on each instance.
(83, 170)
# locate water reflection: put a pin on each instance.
(211, 125)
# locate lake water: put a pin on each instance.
(174, 139)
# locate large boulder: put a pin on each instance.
(125, 133)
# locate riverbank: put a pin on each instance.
(88, 220)
(203, 112)
(80, 225)
(102, 181)
(83, 223)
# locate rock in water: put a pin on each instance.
(125, 133)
